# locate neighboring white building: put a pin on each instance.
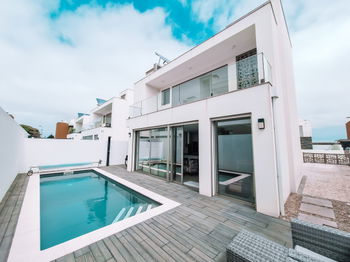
(222, 117)
(105, 120)
(106, 123)
(305, 128)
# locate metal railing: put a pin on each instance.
(92, 126)
(325, 158)
(251, 71)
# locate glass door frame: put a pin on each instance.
(171, 146)
(136, 150)
(172, 154)
(169, 127)
(214, 153)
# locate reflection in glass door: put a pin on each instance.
(177, 154)
(143, 150)
(184, 165)
(152, 151)
(235, 174)
(159, 152)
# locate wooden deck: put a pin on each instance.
(10, 207)
(198, 230)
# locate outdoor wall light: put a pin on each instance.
(129, 134)
(261, 123)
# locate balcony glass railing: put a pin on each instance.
(250, 71)
(92, 126)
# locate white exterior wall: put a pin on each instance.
(40, 152)
(12, 137)
(258, 106)
(286, 89)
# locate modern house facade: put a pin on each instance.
(221, 118)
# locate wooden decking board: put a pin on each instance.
(9, 212)
(199, 229)
(173, 239)
(126, 253)
(113, 250)
(156, 251)
(96, 252)
(196, 242)
(151, 234)
(199, 255)
(139, 249)
(131, 249)
(104, 250)
(81, 251)
(66, 258)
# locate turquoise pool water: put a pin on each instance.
(73, 205)
(64, 165)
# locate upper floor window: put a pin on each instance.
(107, 120)
(165, 97)
(210, 84)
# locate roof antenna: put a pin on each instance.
(165, 60)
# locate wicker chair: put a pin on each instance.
(323, 240)
(328, 242)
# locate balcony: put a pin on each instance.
(250, 71)
(94, 125)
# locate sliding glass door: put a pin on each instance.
(152, 151)
(234, 151)
(185, 158)
(143, 151)
(159, 152)
(179, 163)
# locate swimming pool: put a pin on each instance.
(63, 212)
(90, 201)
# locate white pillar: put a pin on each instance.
(204, 148)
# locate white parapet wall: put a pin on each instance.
(12, 138)
(18, 153)
(39, 152)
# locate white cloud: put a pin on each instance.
(320, 36)
(44, 80)
(222, 12)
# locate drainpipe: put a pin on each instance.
(274, 97)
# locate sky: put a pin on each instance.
(57, 56)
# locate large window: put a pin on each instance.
(210, 84)
(152, 151)
(107, 120)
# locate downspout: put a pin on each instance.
(274, 97)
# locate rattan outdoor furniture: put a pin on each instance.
(325, 241)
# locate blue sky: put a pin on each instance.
(58, 56)
(179, 16)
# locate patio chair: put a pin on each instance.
(312, 243)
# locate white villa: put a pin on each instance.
(221, 118)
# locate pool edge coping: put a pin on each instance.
(26, 240)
